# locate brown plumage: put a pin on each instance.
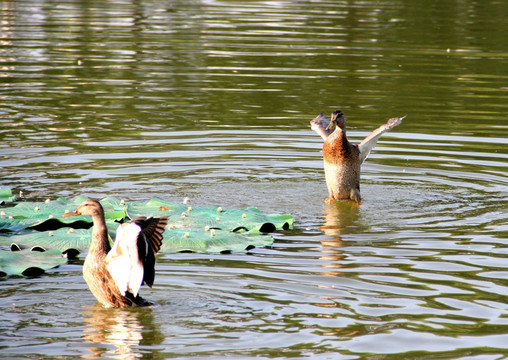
(343, 160)
(114, 275)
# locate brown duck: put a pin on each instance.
(343, 160)
(114, 275)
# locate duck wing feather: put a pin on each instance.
(123, 261)
(149, 243)
(370, 141)
(320, 125)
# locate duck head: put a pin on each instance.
(89, 207)
(337, 119)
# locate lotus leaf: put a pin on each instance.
(64, 239)
(210, 240)
(194, 229)
(183, 238)
(61, 239)
(251, 219)
(11, 225)
(6, 196)
(29, 263)
(48, 215)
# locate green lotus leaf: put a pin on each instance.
(198, 229)
(154, 207)
(185, 238)
(252, 219)
(11, 225)
(189, 228)
(48, 215)
(36, 210)
(210, 241)
(61, 239)
(64, 239)
(29, 263)
(6, 196)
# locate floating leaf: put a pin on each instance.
(11, 225)
(185, 238)
(47, 215)
(251, 218)
(61, 239)
(196, 229)
(29, 263)
(65, 239)
(6, 196)
(191, 228)
(211, 241)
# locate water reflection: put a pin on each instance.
(339, 216)
(117, 333)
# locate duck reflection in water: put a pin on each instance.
(116, 333)
(338, 218)
(343, 160)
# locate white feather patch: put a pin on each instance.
(123, 262)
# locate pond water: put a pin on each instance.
(212, 100)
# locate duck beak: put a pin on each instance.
(72, 213)
(331, 126)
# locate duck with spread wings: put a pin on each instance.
(342, 159)
(115, 274)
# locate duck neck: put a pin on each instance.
(100, 241)
(342, 129)
(336, 145)
(340, 135)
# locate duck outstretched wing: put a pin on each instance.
(131, 260)
(149, 243)
(320, 125)
(370, 141)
